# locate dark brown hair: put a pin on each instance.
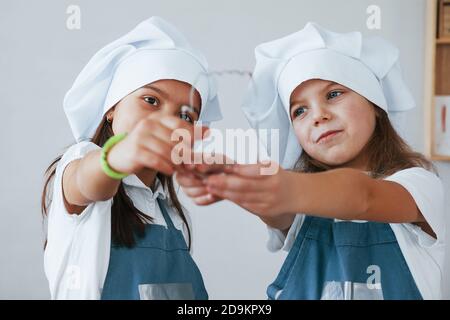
(387, 152)
(126, 220)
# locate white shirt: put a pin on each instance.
(423, 254)
(76, 258)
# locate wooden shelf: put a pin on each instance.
(443, 41)
(436, 157)
(437, 77)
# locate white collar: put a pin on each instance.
(134, 181)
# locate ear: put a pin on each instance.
(110, 114)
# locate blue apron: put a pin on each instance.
(344, 260)
(158, 267)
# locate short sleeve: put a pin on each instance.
(428, 192)
(278, 241)
(75, 152)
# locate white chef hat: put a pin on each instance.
(366, 65)
(152, 51)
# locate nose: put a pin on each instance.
(320, 115)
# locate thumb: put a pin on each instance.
(258, 170)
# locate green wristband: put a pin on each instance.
(106, 147)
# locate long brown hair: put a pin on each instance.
(387, 152)
(126, 220)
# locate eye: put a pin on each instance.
(300, 111)
(334, 94)
(188, 113)
(186, 117)
(151, 100)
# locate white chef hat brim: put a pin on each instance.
(331, 66)
(147, 66)
(154, 50)
(367, 65)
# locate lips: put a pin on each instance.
(328, 134)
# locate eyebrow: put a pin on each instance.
(148, 86)
(326, 88)
(330, 85)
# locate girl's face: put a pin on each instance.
(164, 96)
(332, 123)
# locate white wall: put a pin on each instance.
(39, 59)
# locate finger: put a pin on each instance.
(173, 153)
(209, 168)
(236, 197)
(194, 159)
(195, 192)
(189, 170)
(151, 160)
(152, 126)
(155, 128)
(155, 145)
(174, 123)
(188, 180)
(206, 200)
(252, 170)
(197, 164)
(188, 166)
(179, 131)
(210, 163)
(234, 183)
(217, 159)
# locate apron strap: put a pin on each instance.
(162, 206)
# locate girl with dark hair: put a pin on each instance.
(116, 229)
